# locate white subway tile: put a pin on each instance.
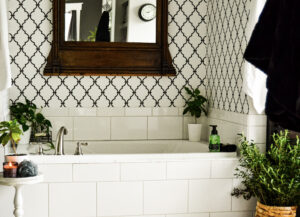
(58, 122)
(231, 214)
(91, 128)
(189, 215)
(35, 199)
(210, 195)
(240, 204)
(223, 168)
(55, 112)
(72, 200)
(111, 112)
(127, 128)
(165, 196)
(143, 171)
(188, 170)
(257, 134)
(96, 172)
(120, 198)
(165, 127)
(167, 111)
(56, 172)
(87, 112)
(138, 112)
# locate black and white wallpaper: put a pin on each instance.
(206, 39)
(30, 28)
(226, 42)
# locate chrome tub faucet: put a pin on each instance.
(59, 144)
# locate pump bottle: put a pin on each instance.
(214, 140)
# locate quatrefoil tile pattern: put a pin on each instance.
(30, 30)
(226, 42)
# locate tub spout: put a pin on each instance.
(59, 145)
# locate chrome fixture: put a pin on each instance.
(41, 150)
(59, 145)
(78, 150)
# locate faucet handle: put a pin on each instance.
(78, 150)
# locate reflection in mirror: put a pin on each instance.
(110, 20)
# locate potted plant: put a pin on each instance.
(10, 131)
(195, 106)
(273, 178)
(30, 119)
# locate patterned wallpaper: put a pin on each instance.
(30, 31)
(226, 41)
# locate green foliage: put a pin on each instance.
(274, 177)
(28, 116)
(10, 131)
(196, 103)
(92, 36)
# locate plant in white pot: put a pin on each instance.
(273, 178)
(10, 132)
(195, 105)
(28, 116)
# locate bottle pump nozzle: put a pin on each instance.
(214, 130)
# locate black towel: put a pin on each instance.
(274, 48)
(103, 33)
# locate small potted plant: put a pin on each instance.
(273, 178)
(10, 131)
(30, 119)
(195, 106)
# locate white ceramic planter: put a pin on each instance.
(25, 138)
(16, 158)
(195, 132)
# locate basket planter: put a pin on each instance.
(275, 211)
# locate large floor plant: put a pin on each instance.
(273, 178)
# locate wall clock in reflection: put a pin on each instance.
(147, 12)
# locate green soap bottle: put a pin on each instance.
(214, 140)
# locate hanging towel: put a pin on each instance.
(5, 71)
(103, 33)
(254, 84)
(274, 48)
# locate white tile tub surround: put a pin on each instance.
(128, 128)
(165, 128)
(72, 199)
(165, 197)
(91, 128)
(230, 124)
(146, 186)
(120, 198)
(151, 123)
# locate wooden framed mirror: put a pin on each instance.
(110, 37)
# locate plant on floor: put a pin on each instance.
(195, 105)
(10, 131)
(273, 178)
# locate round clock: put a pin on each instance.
(147, 12)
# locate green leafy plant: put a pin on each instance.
(196, 104)
(28, 116)
(92, 35)
(273, 178)
(10, 132)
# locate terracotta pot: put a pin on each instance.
(275, 211)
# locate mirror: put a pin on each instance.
(132, 39)
(110, 21)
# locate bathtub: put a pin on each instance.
(168, 178)
(118, 151)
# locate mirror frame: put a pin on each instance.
(110, 58)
